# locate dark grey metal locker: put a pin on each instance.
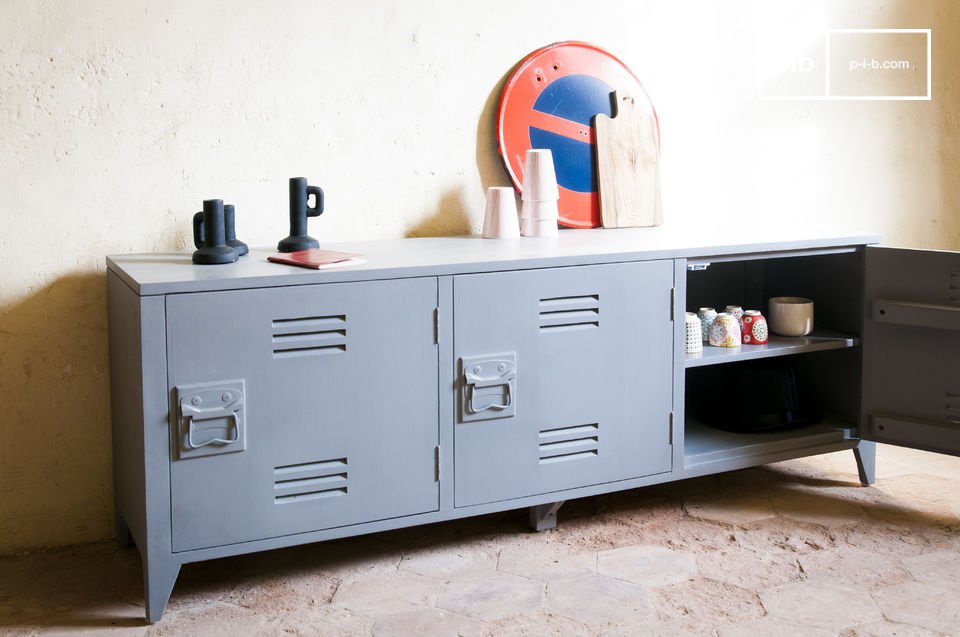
(911, 349)
(564, 378)
(301, 408)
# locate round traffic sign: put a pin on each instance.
(549, 101)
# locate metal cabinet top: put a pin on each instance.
(166, 273)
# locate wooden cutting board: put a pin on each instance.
(628, 167)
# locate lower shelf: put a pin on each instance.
(707, 447)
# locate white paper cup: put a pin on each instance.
(500, 216)
(539, 176)
(790, 316)
(538, 228)
(539, 210)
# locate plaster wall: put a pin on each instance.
(117, 117)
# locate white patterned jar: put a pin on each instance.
(754, 328)
(725, 331)
(707, 315)
(737, 312)
(694, 334)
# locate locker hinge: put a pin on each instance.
(670, 434)
(436, 464)
(436, 326)
(673, 300)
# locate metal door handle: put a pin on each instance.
(223, 441)
(211, 409)
(488, 387)
(192, 414)
(473, 387)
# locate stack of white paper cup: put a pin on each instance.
(538, 213)
(500, 218)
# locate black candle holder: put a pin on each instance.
(209, 235)
(299, 211)
(229, 227)
(230, 230)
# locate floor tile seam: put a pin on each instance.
(433, 597)
(420, 608)
(873, 602)
(940, 588)
(902, 622)
(791, 515)
(647, 586)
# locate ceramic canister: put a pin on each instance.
(707, 315)
(754, 328)
(737, 312)
(694, 334)
(725, 331)
(791, 315)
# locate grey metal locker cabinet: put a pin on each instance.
(911, 342)
(564, 378)
(301, 408)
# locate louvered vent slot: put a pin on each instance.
(569, 443)
(953, 408)
(309, 336)
(310, 481)
(565, 313)
(955, 287)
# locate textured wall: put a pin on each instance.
(118, 117)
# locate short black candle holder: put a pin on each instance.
(230, 229)
(209, 235)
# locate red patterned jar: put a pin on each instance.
(755, 330)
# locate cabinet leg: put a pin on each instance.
(158, 580)
(544, 516)
(866, 454)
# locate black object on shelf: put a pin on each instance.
(230, 228)
(209, 235)
(230, 231)
(299, 211)
(762, 396)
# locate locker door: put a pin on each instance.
(911, 342)
(301, 408)
(564, 378)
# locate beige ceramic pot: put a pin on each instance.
(790, 316)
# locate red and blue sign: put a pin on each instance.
(549, 101)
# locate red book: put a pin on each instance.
(316, 258)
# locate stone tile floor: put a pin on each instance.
(795, 548)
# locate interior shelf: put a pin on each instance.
(777, 346)
(707, 445)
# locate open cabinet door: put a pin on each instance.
(911, 349)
